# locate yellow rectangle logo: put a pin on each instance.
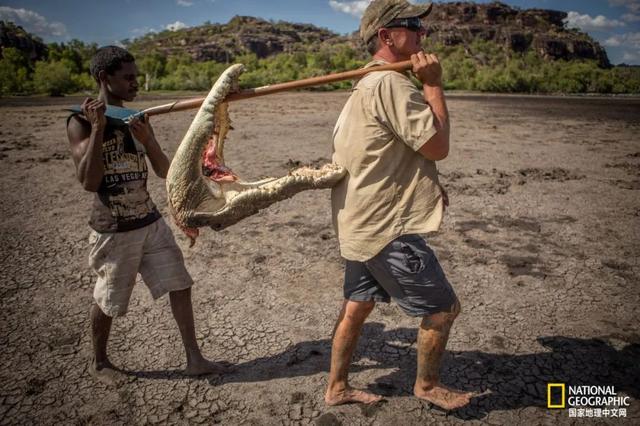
(550, 403)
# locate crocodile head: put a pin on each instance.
(202, 191)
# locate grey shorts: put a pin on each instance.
(406, 270)
(117, 259)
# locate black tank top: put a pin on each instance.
(122, 203)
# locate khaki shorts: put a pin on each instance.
(118, 257)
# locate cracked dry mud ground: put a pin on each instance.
(541, 243)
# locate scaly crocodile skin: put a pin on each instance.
(197, 200)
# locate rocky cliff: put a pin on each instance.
(450, 24)
(458, 23)
(514, 29)
(12, 35)
(241, 35)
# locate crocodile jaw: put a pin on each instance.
(197, 200)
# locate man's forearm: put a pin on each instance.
(434, 96)
(91, 167)
(159, 160)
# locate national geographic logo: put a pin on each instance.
(556, 395)
(587, 401)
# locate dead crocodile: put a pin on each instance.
(202, 191)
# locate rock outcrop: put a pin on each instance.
(241, 35)
(12, 35)
(514, 29)
(450, 24)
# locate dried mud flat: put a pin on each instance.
(541, 242)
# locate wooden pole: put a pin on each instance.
(280, 87)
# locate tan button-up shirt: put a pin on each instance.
(390, 190)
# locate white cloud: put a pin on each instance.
(587, 23)
(33, 22)
(628, 40)
(630, 17)
(143, 30)
(176, 26)
(631, 5)
(629, 43)
(171, 27)
(613, 41)
(632, 40)
(355, 8)
(185, 3)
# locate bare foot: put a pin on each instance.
(351, 395)
(204, 366)
(107, 373)
(444, 397)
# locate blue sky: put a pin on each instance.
(614, 23)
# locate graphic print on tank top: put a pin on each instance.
(125, 177)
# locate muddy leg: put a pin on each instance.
(345, 339)
(432, 340)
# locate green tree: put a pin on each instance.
(195, 76)
(53, 78)
(14, 72)
(153, 67)
(174, 61)
(83, 81)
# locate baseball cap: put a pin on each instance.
(380, 12)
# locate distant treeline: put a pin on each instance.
(481, 66)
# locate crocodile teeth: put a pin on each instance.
(196, 200)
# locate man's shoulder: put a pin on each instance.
(78, 128)
(376, 78)
(77, 118)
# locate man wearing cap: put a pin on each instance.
(388, 137)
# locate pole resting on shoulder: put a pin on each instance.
(125, 115)
(119, 114)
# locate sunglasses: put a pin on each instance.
(412, 24)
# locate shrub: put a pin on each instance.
(53, 78)
(480, 65)
(14, 72)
